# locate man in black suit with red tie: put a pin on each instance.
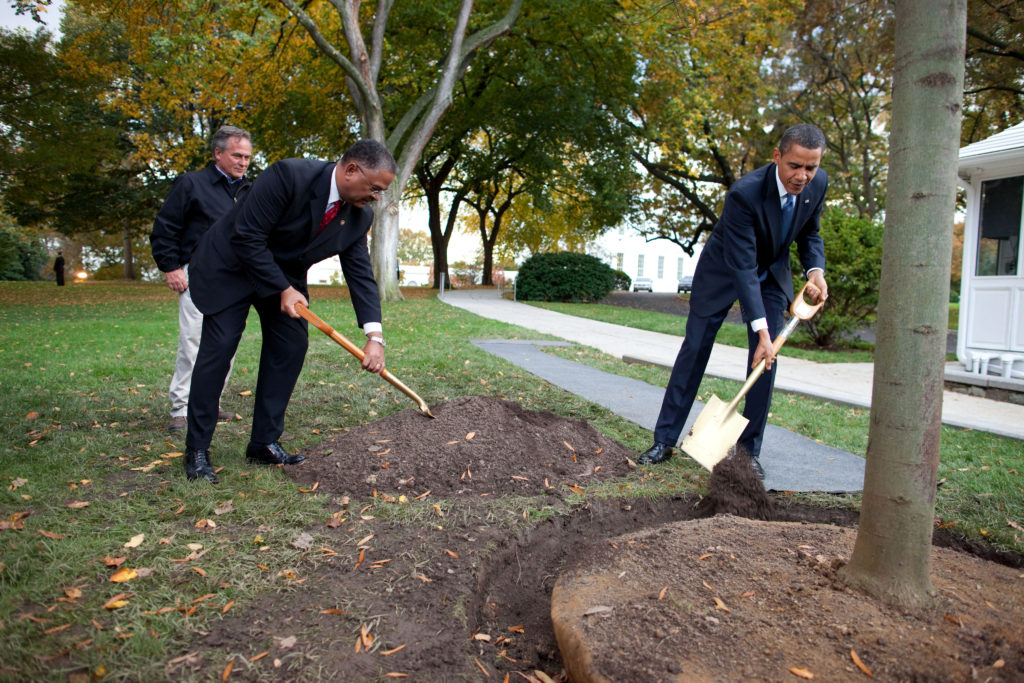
(747, 258)
(298, 212)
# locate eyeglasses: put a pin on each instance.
(374, 190)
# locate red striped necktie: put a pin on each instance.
(332, 211)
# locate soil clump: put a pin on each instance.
(734, 489)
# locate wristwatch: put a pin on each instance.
(379, 340)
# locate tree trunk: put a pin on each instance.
(891, 558)
(129, 251)
(384, 247)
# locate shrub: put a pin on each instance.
(564, 276)
(22, 255)
(853, 270)
(622, 281)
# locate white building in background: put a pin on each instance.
(991, 328)
(664, 262)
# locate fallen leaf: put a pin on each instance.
(77, 504)
(114, 561)
(481, 636)
(285, 643)
(303, 541)
(118, 601)
(519, 628)
(708, 586)
(450, 553)
(74, 593)
(56, 629)
(860, 665)
(661, 595)
(596, 609)
(395, 674)
(206, 524)
(748, 594)
(469, 437)
(123, 574)
(199, 571)
(704, 557)
(364, 541)
(17, 483)
(392, 651)
(229, 605)
(256, 658)
(1014, 525)
(311, 488)
(999, 663)
(802, 673)
(332, 611)
(481, 667)
(224, 508)
(50, 534)
(135, 541)
(721, 606)
(576, 489)
(227, 670)
(245, 393)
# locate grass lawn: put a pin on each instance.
(92, 482)
(731, 334)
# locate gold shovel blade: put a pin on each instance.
(716, 430)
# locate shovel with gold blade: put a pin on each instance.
(343, 341)
(719, 426)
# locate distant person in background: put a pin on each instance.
(58, 268)
(197, 199)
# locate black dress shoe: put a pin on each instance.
(755, 465)
(197, 464)
(659, 452)
(272, 454)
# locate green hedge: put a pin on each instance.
(564, 276)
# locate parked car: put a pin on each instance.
(643, 284)
(685, 284)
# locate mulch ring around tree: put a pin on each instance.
(455, 586)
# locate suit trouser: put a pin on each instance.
(692, 361)
(282, 354)
(190, 328)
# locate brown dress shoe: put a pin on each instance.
(177, 424)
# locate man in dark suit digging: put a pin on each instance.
(298, 212)
(747, 258)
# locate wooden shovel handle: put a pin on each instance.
(343, 341)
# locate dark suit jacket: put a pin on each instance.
(747, 241)
(269, 241)
(196, 201)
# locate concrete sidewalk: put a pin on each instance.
(848, 383)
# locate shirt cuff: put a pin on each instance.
(811, 270)
(372, 327)
(758, 325)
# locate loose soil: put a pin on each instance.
(450, 583)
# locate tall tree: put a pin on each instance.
(836, 73)
(701, 114)
(994, 84)
(408, 136)
(891, 557)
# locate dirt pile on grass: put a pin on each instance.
(476, 446)
(734, 489)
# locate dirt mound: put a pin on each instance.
(477, 445)
(734, 489)
(733, 599)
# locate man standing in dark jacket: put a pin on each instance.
(299, 212)
(747, 258)
(197, 199)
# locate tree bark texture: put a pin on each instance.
(891, 557)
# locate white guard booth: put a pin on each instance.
(990, 341)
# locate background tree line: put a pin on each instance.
(535, 125)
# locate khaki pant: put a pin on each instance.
(190, 330)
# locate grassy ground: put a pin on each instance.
(87, 469)
(731, 334)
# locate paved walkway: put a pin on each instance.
(848, 383)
